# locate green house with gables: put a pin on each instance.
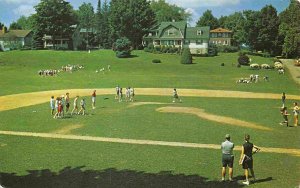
(178, 34)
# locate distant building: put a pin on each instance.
(16, 38)
(221, 36)
(178, 34)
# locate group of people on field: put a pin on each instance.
(246, 158)
(61, 105)
(129, 94)
(285, 114)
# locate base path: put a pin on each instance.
(212, 117)
(293, 152)
(9, 102)
(294, 70)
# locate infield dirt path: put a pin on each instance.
(293, 152)
(14, 101)
(294, 71)
(211, 117)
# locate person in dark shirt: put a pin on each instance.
(246, 159)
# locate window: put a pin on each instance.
(219, 34)
(164, 42)
(199, 42)
(225, 42)
(171, 42)
(187, 42)
(199, 32)
(178, 42)
(171, 32)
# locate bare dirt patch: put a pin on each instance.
(294, 70)
(211, 117)
(67, 129)
(145, 103)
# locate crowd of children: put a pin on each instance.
(61, 105)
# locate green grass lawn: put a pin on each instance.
(41, 162)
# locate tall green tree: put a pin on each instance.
(131, 19)
(208, 19)
(222, 21)
(289, 29)
(86, 17)
(165, 12)
(54, 17)
(1, 25)
(105, 29)
(25, 23)
(252, 27)
(268, 33)
(235, 22)
(15, 26)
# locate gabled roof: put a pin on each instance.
(191, 32)
(15, 33)
(179, 25)
(220, 30)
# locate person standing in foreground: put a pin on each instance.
(296, 113)
(94, 99)
(246, 159)
(227, 157)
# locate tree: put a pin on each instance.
(186, 57)
(235, 22)
(252, 27)
(54, 17)
(207, 19)
(268, 33)
(165, 12)
(131, 19)
(1, 25)
(222, 21)
(15, 26)
(86, 17)
(102, 25)
(122, 47)
(289, 29)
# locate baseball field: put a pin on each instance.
(151, 142)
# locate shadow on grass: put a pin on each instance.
(80, 178)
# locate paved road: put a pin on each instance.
(295, 71)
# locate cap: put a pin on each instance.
(227, 136)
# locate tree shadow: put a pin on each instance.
(109, 178)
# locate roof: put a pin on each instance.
(15, 33)
(179, 25)
(220, 30)
(191, 32)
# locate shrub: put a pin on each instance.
(122, 54)
(212, 50)
(122, 47)
(227, 49)
(222, 64)
(156, 61)
(243, 60)
(238, 65)
(186, 57)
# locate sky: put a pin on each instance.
(11, 10)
